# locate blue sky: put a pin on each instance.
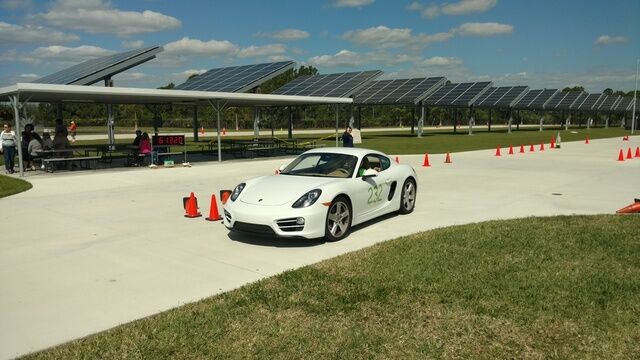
(539, 43)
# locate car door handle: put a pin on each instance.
(388, 181)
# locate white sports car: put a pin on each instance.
(322, 193)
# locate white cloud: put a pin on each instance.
(97, 16)
(462, 7)
(187, 46)
(483, 29)
(260, 51)
(440, 61)
(341, 58)
(351, 3)
(130, 76)
(190, 72)
(14, 34)
(74, 54)
(277, 58)
(132, 44)
(16, 4)
(382, 37)
(468, 7)
(29, 76)
(347, 58)
(608, 40)
(286, 34)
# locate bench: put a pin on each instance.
(50, 163)
(265, 150)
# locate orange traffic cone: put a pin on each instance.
(397, 160)
(629, 156)
(621, 156)
(637, 152)
(214, 215)
(541, 146)
(625, 138)
(426, 163)
(586, 141)
(521, 149)
(224, 196)
(192, 207)
(510, 149)
(201, 130)
(531, 148)
(631, 209)
(553, 142)
(224, 131)
(498, 151)
(447, 160)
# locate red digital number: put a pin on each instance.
(160, 140)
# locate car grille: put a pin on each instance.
(227, 216)
(253, 228)
(289, 224)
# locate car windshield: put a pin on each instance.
(322, 164)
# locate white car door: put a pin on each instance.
(371, 193)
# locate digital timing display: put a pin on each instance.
(167, 140)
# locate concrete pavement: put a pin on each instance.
(84, 251)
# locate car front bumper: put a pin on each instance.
(280, 220)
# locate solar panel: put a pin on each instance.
(568, 101)
(94, 70)
(469, 96)
(556, 99)
(625, 104)
(236, 78)
(439, 94)
(402, 91)
(530, 96)
(609, 103)
(511, 97)
(590, 101)
(334, 85)
(490, 96)
(543, 100)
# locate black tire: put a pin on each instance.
(337, 230)
(408, 196)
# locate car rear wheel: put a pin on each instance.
(408, 196)
(338, 221)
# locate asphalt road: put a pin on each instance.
(88, 250)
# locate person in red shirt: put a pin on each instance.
(72, 129)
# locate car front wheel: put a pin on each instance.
(408, 196)
(338, 221)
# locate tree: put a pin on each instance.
(168, 86)
(608, 91)
(192, 76)
(575, 88)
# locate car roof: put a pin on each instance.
(359, 152)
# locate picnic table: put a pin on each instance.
(54, 159)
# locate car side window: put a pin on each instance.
(384, 163)
(369, 162)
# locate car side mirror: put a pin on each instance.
(369, 173)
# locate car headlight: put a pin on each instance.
(307, 199)
(236, 192)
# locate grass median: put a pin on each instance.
(10, 185)
(564, 287)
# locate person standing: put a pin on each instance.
(72, 130)
(347, 138)
(8, 139)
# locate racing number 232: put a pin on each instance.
(374, 194)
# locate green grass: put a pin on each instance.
(10, 186)
(560, 287)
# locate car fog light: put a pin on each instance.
(300, 221)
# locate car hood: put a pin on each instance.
(280, 189)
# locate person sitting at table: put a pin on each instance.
(47, 143)
(144, 147)
(27, 159)
(60, 141)
(136, 141)
(35, 148)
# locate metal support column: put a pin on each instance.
(422, 118)
(413, 119)
(566, 123)
(195, 123)
(351, 118)
(489, 122)
(110, 119)
(541, 121)
(359, 117)
(472, 121)
(290, 128)
(510, 121)
(519, 120)
(15, 102)
(337, 129)
(455, 120)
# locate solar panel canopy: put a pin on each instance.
(556, 99)
(94, 70)
(625, 104)
(236, 78)
(501, 97)
(329, 85)
(590, 102)
(399, 91)
(609, 103)
(577, 97)
(457, 95)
